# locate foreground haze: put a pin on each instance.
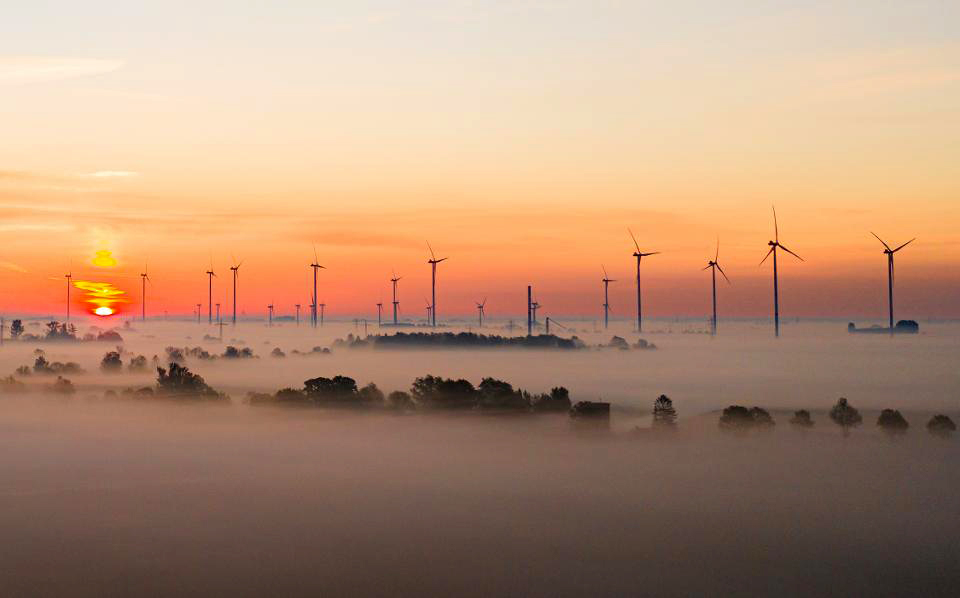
(123, 496)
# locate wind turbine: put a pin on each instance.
(322, 306)
(379, 314)
(143, 293)
(298, 313)
(714, 265)
(396, 303)
(889, 253)
(433, 261)
(199, 305)
(68, 276)
(606, 297)
(533, 308)
(270, 314)
(210, 276)
(429, 310)
(639, 255)
(774, 245)
(315, 265)
(218, 312)
(480, 307)
(235, 268)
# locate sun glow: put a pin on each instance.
(102, 298)
(103, 311)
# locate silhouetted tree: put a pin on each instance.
(11, 385)
(174, 355)
(371, 395)
(736, 417)
(557, 400)
(339, 389)
(16, 329)
(941, 425)
(497, 394)
(892, 422)
(63, 386)
(179, 382)
(138, 364)
(845, 415)
(111, 362)
(41, 365)
(23, 370)
(434, 391)
(801, 419)
(277, 352)
(400, 400)
(664, 415)
(232, 352)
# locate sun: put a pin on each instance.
(103, 311)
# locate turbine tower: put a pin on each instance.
(235, 268)
(480, 307)
(322, 306)
(639, 255)
(433, 261)
(396, 303)
(714, 265)
(315, 265)
(429, 310)
(143, 293)
(379, 314)
(774, 245)
(218, 313)
(210, 276)
(889, 253)
(270, 314)
(298, 313)
(68, 276)
(199, 305)
(606, 298)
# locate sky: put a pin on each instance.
(521, 139)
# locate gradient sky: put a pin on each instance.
(521, 138)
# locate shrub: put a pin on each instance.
(892, 422)
(845, 415)
(941, 425)
(664, 415)
(277, 352)
(232, 352)
(801, 419)
(736, 417)
(111, 362)
(62, 386)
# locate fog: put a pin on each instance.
(113, 497)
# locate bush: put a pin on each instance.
(664, 415)
(941, 425)
(892, 422)
(736, 417)
(801, 419)
(11, 385)
(845, 415)
(232, 352)
(138, 364)
(277, 352)
(111, 362)
(174, 355)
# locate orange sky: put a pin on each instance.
(521, 139)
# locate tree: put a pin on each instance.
(801, 419)
(434, 391)
(179, 382)
(63, 386)
(941, 425)
(557, 400)
(498, 394)
(16, 329)
(664, 415)
(737, 417)
(892, 422)
(371, 394)
(111, 362)
(400, 400)
(138, 364)
(845, 415)
(336, 389)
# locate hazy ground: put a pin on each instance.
(113, 497)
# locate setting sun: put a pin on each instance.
(103, 311)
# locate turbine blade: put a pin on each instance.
(776, 228)
(707, 267)
(766, 256)
(792, 253)
(604, 271)
(433, 257)
(635, 244)
(724, 273)
(881, 240)
(904, 245)
(717, 256)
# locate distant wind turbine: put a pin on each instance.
(639, 255)
(714, 265)
(143, 293)
(270, 314)
(429, 310)
(606, 297)
(210, 276)
(199, 306)
(379, 314)
(322, 306)
(774, 245)
(433, 261)
(315, 265)
(218, 313)
(298, 313)
(68, 276)
(396, 303)
(235, 268)
(889, 253)
(480, 308)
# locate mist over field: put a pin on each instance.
(127, 495)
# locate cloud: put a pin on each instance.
(38, 69)
(12, 266)
(112, 174)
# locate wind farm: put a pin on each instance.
(588, 402)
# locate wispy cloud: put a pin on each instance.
(112, 174)
(37, 69)
(11, 266)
